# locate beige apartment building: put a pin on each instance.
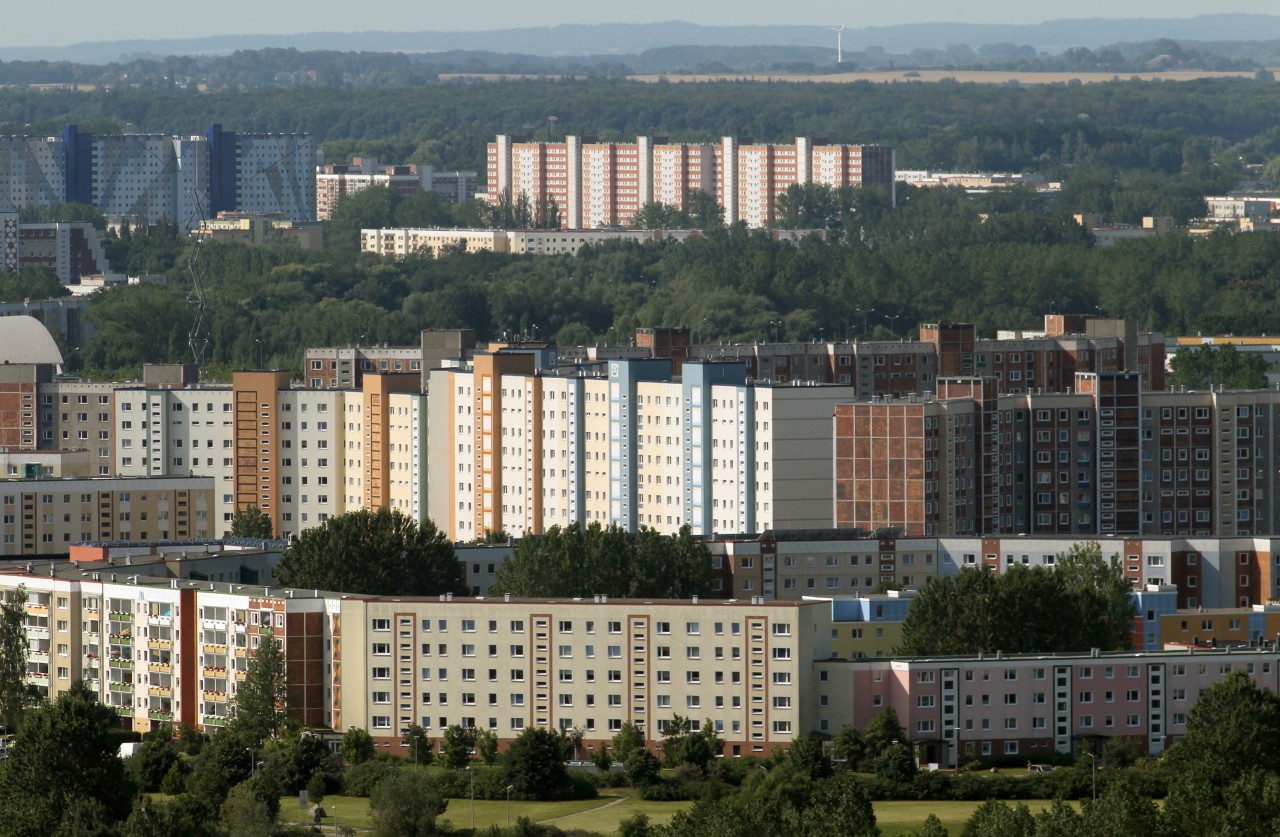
(508, 665)
(48, 516)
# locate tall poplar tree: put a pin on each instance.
(13, 657)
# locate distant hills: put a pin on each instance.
(624, 39)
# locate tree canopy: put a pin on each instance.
(261, 703)
(1224, 366)
(250, 522)
(64, 754)
(382, 552)
(580, 560)
(1083, 602)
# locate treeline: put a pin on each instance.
(1000, 261)
(1055, 129)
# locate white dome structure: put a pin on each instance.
(25, 339)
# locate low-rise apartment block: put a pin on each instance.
(957, 709)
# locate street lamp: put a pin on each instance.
(1094, 760)
(776, 325)
(893, 321)
(510, 788)
(258, 340)
(249, 750)
(864, 312)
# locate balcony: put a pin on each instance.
(214, 720)
(161, 668)
(123, 688)
(120, 616)
(160, 645)
(121, 639)
(216, 697)
(160, 715)
(160, 691)
(215, 625)
(121, 662)
(161, 621)
(210, 648)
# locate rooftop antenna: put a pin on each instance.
(839, 42)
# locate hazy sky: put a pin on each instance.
(93, 20)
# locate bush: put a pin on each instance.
(671, 790)
(175, 781)
(361, 779)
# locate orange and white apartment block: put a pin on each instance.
(604, 184)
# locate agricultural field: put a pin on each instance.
(928, 76)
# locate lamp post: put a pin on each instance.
(893, 323)
(864, 312)
(473, 798)
(510, 788)
(249, 750)
(776, 325)
(1094, 760)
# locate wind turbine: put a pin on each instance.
(839, 42)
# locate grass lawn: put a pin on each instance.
(901, 817)
(354, 811)
(604, 819)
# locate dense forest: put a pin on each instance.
(1123, 149)
(1001, 261)
(1160, 127)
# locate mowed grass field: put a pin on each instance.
(603, 815)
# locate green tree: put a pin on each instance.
(1223, 366)
(357, 746)
(884, 730)
(420, 745)
(584, 560)
(455, 747)
(994, 818)
(487, 746)
(806, 754)
(849, 746)
(1122, 809)
(626, 741)
(261, 702)
(243, 813)
(13, 656)
(1101, 605)
(1082, 602)
(535, 763)
(153, 760)
(250, 522)
(896, 762)
(64, 751)
(1251, 805)
(381, 552)
(642, 768)
(1234, 728)
(932, 827)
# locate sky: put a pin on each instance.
(92, 20)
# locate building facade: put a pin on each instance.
(624, 442)
(333, 181)
(154, 177)
(594, 184)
